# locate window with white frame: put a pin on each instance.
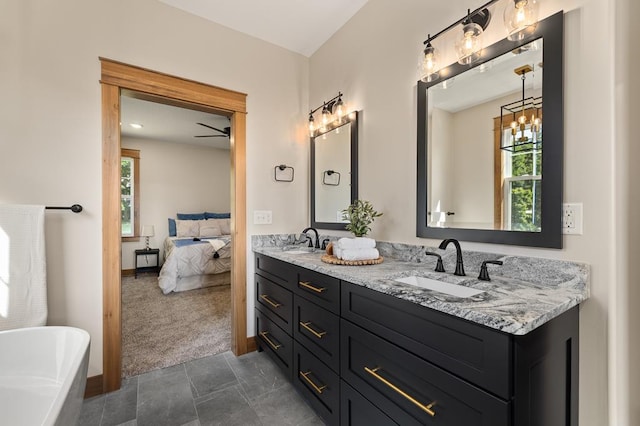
(130, 193)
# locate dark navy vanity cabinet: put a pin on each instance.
(361, 357)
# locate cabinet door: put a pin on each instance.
(356, 410)
(277, 343)
(410, 390)
(318, 330)
(274, 301)
(478, 354)
(318, 384)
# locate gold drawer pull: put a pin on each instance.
(269, 301)
(305, 376)
(311, 330)
(425, 408)
(307, 284)
(275, 347)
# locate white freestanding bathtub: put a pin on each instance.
(43, 372)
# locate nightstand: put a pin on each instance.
(150, 252)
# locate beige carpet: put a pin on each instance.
(159, 331)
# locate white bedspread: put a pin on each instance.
(192, 259)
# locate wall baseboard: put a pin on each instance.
(127, 272)
(94, 386)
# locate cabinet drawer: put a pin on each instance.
(275, 342)
(320, 289)
(473, 352)
(318, 330)
(276, 270)
(274, 301)
(318, 383)
(356, 410)
(410, 390)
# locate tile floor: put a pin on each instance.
(218, 390)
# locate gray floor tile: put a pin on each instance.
(313, 421)
(165, 398)
(193, 423)
(210, 374)
(129, 423)
(121, 406)
(227, 407)
(256, 373)
(91, 413)
(282, 406)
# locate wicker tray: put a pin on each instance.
(335, 261)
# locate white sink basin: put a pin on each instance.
(439, 286)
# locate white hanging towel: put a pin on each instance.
(23, 279)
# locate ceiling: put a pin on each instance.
(166, 123)
(298, 25)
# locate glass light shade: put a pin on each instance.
(469, 45)
(430, 64)
(339, 106)
(521, 20)
(312, 127)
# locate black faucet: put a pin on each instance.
(439, 265)
(459, 264)
(484, 273)
(317, 243)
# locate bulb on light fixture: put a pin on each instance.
(339, 106)
(326, 115)
(312, 128)
(429, 63)
(521, 20)
(469, 46)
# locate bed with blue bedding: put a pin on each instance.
(193, 262)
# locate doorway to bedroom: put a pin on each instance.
(116, 76)
(176, 243)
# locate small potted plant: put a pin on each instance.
(361, 215)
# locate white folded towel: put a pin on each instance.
(216, 244)
(23, 278)
(359, 254)
(356, 243)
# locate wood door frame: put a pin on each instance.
(177, 91)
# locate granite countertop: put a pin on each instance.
(523, 294)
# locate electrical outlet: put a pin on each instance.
(572, 218)
(262, 217)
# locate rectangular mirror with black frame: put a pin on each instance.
(334, 172)
(485, 171)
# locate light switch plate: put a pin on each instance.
(262, 217)
(572, 218)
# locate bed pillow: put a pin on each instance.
(187, 228)
(223, 224)
(190, 216)
(209, 228)
(172, 227)
(208, 215)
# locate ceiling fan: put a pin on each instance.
(225, 133)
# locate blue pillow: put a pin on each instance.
(190, 216)
(172, 228)
(208, 215)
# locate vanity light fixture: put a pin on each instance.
(332, 110)
(521, 20)
(469, 45)
(521, 109)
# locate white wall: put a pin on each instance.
(50, 124)
(176, 178)
(372, 60)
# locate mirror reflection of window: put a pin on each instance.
(522, 178)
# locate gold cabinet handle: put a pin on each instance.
(317, 388)
(318, 334)
(426, 408)
(269, 301)
(307, 284)
(275, 346)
